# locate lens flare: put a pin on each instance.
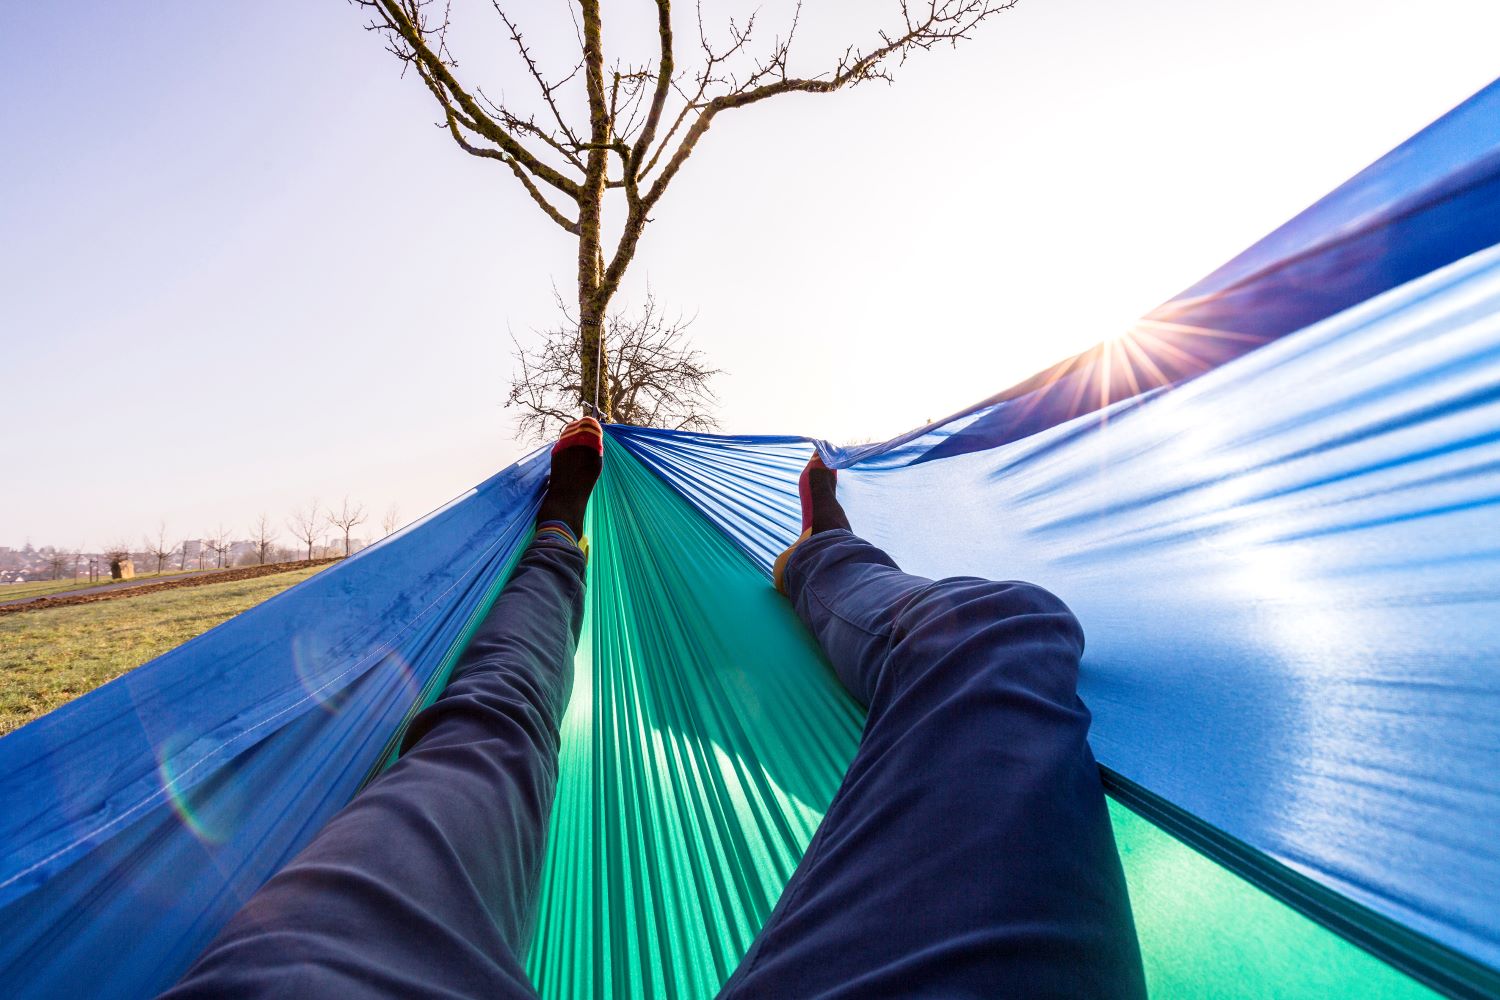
(208, 827)
(1153, 353)
(317, 672)
(398, 677)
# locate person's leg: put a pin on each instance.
(425, 884)
(968, 851)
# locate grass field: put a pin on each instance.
(50, 657)
(41, 588)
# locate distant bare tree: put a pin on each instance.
(57, 561)
(647, 112)
(346, 518)
(220, 545)
(392, 519)
(263, 539)
(305, 523)
(656, 378)
(158, 547)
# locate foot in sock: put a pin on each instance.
(577, 459)
(821, 510)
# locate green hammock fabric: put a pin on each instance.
(1205, 932)
(704, 740)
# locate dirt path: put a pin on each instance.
(99, 588)
(111, 593)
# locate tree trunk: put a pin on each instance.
(593, 388)
(595, 362)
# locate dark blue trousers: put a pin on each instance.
(425, 885)
(967, 853)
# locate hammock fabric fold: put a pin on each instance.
(1273, 505)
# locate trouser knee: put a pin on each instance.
(975, 634)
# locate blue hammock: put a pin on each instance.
(1274, 504)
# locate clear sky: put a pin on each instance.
(241, 268)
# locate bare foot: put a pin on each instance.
(821, 511)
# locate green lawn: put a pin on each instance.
(50, 657)
(41, 588)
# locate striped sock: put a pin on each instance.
(584, 432)
(559, 529)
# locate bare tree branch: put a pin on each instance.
(657, 378)
(536, 194)
(412, 39)
(346, 518)
(219, 543)
(158, 547)
(263, 540)
(306, 523)
(391, 520)
(549, 90)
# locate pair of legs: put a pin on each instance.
(967, 852)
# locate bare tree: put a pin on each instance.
(57, 561)
(656, 378)
(220, 545)
(645, 117)
(305, 523)
(392, 519)
(345, 519)
(158, 547)
(263, 539)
